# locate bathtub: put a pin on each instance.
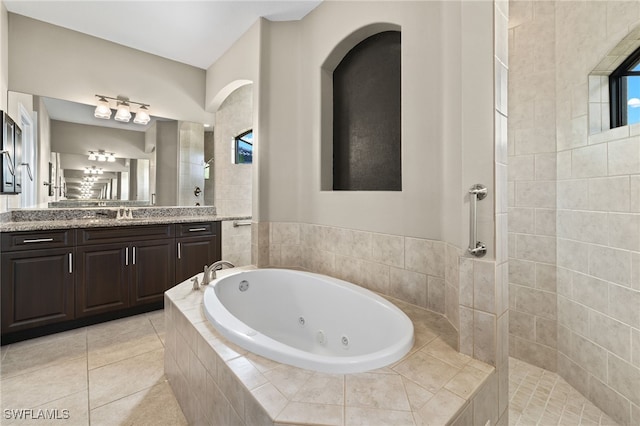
(308, 320)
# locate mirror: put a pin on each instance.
(104, 162)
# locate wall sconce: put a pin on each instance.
(123, 110)
(102, 156)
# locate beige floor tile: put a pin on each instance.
(45, 385)
(157, 320)
(123, 378)
(152, 406)
(72, 410)
(42, 353)
(122, 346)
(108, 331)
(542, 398)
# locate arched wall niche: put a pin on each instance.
(328, 66)
(224, 93)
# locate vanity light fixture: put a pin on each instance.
(93, 170)
(101, 155)
(123, 110)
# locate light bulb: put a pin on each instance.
(92, 156)
(111, 158)
(123, 114)
(142, 116)
(102, 109)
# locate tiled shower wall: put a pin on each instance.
(232, 182)
(574, 226)
(532, 186)
(191, 170)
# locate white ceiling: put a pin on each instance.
(193, 32)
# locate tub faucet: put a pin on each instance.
(216, 266)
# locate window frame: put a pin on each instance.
(236, 151)
(618, 89)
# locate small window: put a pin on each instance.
(243, 148)
(624, 88)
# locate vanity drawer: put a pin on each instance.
(30, 240)
(124, 234)
(198, 229)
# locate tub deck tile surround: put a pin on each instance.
(217, 382)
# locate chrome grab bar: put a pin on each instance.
(237, 223)
(476, 193)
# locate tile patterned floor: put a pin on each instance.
(113, 374)
(538, 397)
(106, 374)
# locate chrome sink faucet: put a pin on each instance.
(210, 271)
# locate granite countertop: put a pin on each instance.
(45, 219)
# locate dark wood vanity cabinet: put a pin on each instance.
(37, 279)
(123, 267)
(152, 271)
(103, 279)
(79, 275)
(198, 244)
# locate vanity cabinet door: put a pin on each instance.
(153, 266)
(103, 278)
(37, 288)
(193, 254)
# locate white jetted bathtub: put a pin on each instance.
(308, 320)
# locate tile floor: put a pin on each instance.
(106, 374)
(113, 374)
(540, 397)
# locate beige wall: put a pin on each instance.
(77, 138)
(4, 55)
(52, 61)
(452, 96)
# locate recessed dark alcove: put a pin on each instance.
(366, 116)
